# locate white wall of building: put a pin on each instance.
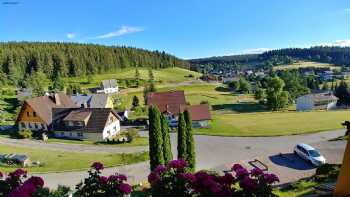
(111, 130)
(304, 103)
(33, 126)
(332, 105)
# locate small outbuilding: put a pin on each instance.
(322, 101)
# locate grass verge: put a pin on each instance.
(139, 141)
(56, 161)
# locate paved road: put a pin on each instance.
(81, 148)
(219, 153)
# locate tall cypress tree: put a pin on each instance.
(168, 155)
(181, 137)
(155, 138)
(190, 147)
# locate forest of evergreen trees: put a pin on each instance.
(20, 59)
(335, 55)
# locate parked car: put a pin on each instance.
(310, 154)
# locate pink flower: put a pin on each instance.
(248, 183)
(256, 172)
(160, 169)
(121, 177)
(124, 188)
(271, 178)
(188, 176)
(103, 179)
(227, 179)
(36, 181)
(97, 166)
(112, 178)
(241, 172)
(178, 164)
(19, 172)
(236, 166)
(153, 178)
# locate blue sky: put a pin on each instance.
(185, 28)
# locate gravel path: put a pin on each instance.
(219, 153)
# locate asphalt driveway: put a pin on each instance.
(219, 153)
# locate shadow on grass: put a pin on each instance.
(291, 160)
(241, 107)
(222, 89)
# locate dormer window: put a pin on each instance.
(34, 114)
(28, 114)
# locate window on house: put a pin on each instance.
(108, 132)
(28, 114)
(115, 128)
(34, 114)
(30, 125)
(42, 125)
(35, 125)
(62, 133)
(23, 125)
(80, 134)
(71, 134)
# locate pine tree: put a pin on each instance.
(135, 101)
(168, 155)
(181, 137)
(155, 138)
(150, 75)
(137, 77)
(190, 146)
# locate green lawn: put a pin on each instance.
(166, 75)
(140, 141)
(274, 123)
(217, 95)
(67, 161)
(298, 189)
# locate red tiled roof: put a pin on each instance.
(167, 101)
(198, 112)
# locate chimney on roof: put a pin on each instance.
(167, 108)
(55, 98)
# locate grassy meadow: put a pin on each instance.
(305, 64)
(67, 160)
(166, 75)
(274, 123)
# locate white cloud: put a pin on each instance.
(255, 51)
(71, 35)
(123, 30)
(338, 43)
(347, 10)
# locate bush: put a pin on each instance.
(97, 185)
(132, 134)
(16, 184)
(24, 134)
(175, 180)
(327, 171)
